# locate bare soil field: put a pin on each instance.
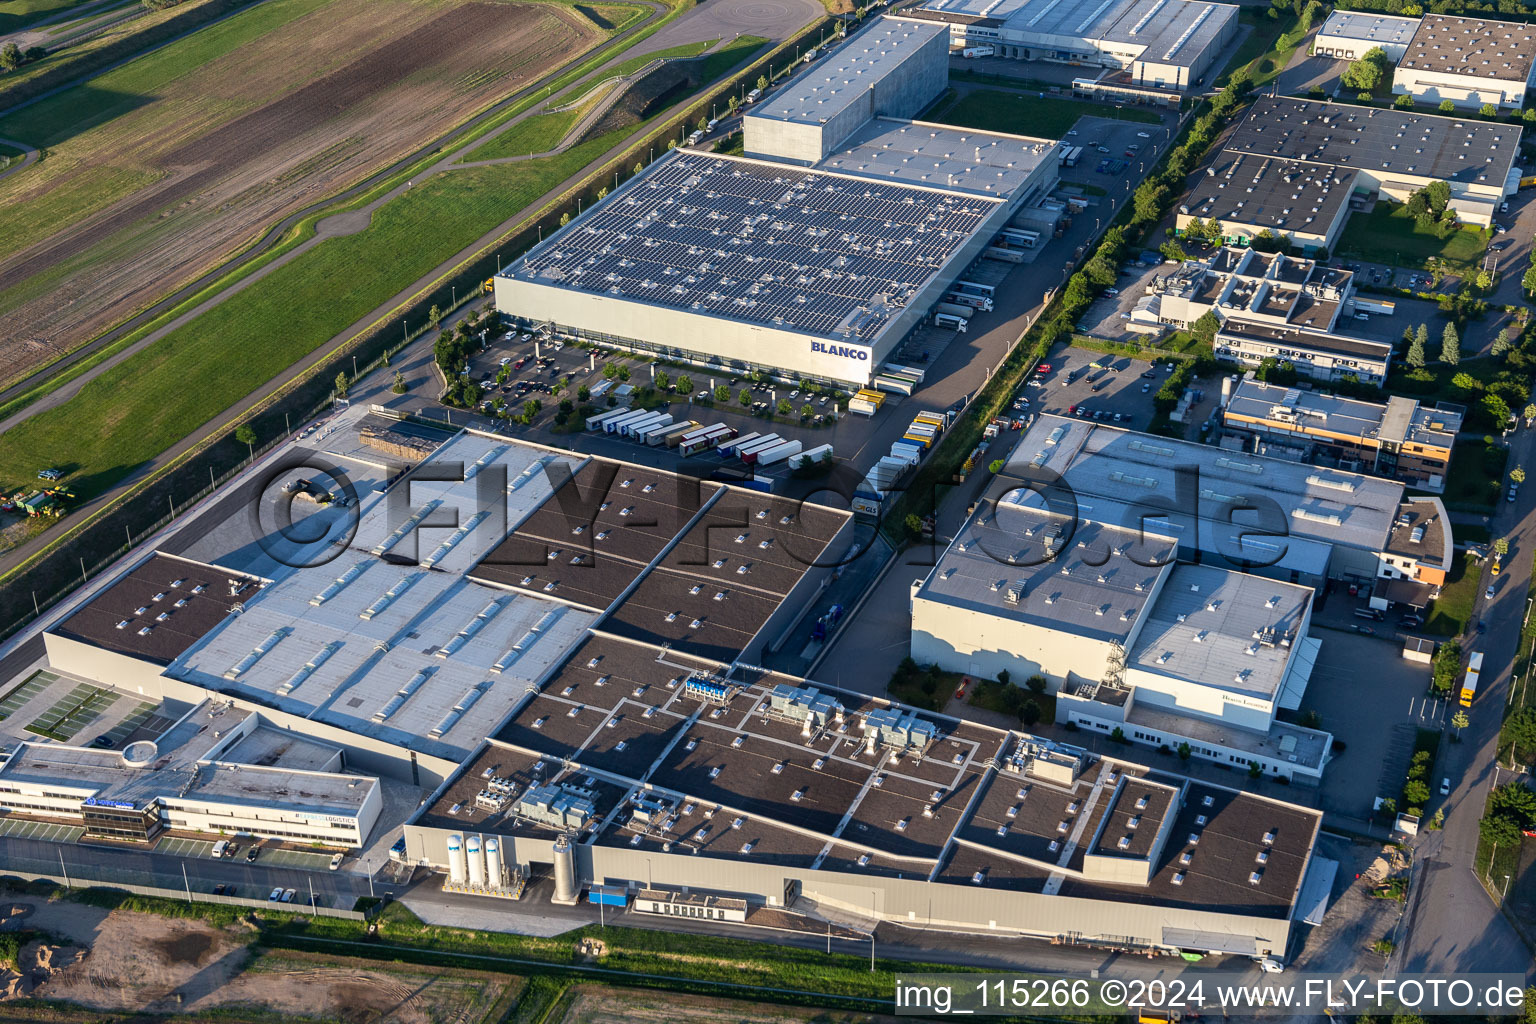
(121, 960)
(147, 181)
(596, 1004)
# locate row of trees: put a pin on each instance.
(1511, 811)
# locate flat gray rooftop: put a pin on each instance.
(919, 153)
(1311, 411)
(1167, 31)
(833, 83)
(748, 240)
(1281, 195)
(1206, 624)
(1381, 29)
(1474, 47)
(1381, 142)
(1120, 466)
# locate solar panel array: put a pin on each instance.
(762, 243)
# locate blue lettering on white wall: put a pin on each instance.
(845, 351)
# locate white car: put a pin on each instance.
(335, 861)
(1143, 135)
(1269, 966)
(1445, 786)
(1072, 132)
(1488, 594)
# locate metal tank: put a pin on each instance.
(565, 871)
(476, 863)
(495, 871)
(456, 859)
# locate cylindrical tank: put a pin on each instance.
(565, 871)
(495, 873)
(476, 862)
(456, 859)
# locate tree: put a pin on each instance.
(1464, 381)
(1459, 721)
(1415, 793)
(583, 393)
(1416, 352)
(1149, 201)
(1450, 346)
(246, 436)
(1488, 111)
(685, 383)
(1369, 71)
(341, 384)
(1501, 547)
(1496, 408)
(663, 380)
(996, 466)
(914, 525)
(398, 387)
(1204, 329)
(807, 411)
(732, 103)
(1184, 752)
(1528, 281)
(1520, 728)
(637, 168)
(1403, 102)
(762, 81)
(784, 407)
(1029, 712)
(722, 393)
(1447, 107)
(1036, 683)
(1118, 735)
(565, 218)
(1255, 769)
(434, 316)
(1530, 412)
(1517, 475)
(531, 408)
(10, 56)
(1498, 829)
(1004, 677)
(1501, 342)
(745, 398)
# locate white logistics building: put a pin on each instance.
(814, 255)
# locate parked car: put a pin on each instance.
(1445, 786)
(336, 861)
(1488, 594)
(252, 853)
(288, 895)
(1411, 620)
(1143, 135)
(275, 895)
(221, 889)
(1145, 388)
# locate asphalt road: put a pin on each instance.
(1451, 923)
(108, 865)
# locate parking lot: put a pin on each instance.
(177, 846)
(46, 831)
(1355, 671)
(1118, 391)
(1108, 318)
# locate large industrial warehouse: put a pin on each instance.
(565, 687)
(638, 769)
(814, 256)
(1162, 587)
(1292, 165)
(1160, 44)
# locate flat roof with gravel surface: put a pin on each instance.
(1475, 47)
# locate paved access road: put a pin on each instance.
(1451, 923)
(105, 866)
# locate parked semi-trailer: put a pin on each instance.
(728, 447)
(778, 453)
(596, 420)
(810, 456)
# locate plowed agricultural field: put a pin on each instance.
(154, 171)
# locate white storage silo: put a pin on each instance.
(476, 863)
(565, 871)
(495, 871)
(456, 859)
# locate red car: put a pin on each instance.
(1043, 368)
